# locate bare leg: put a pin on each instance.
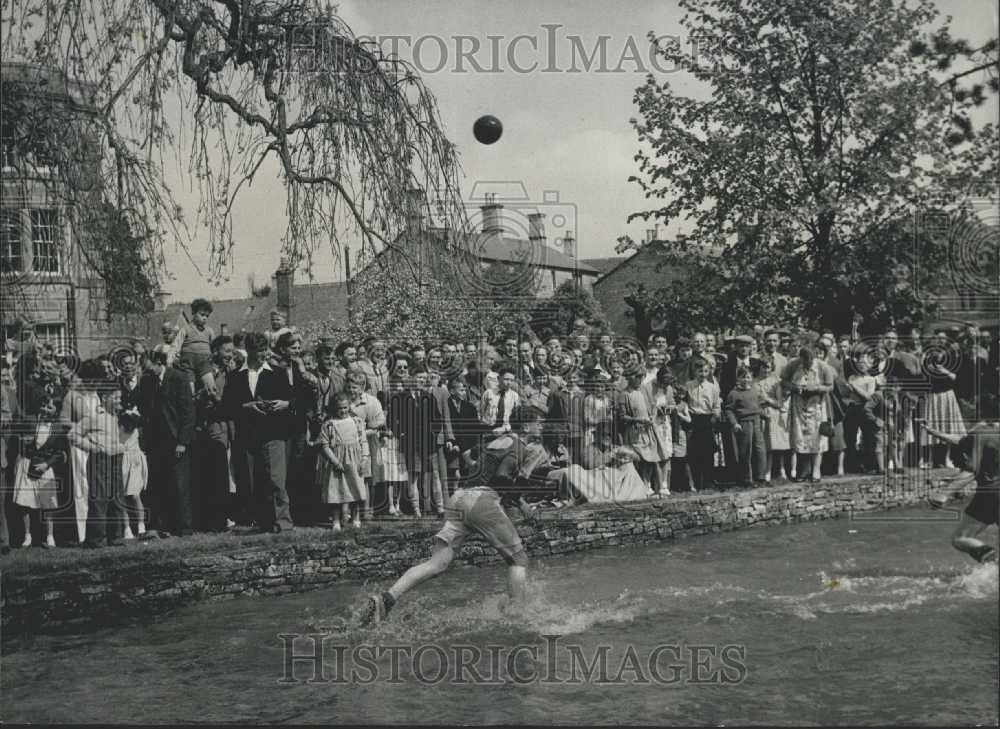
(840, 462)
(517, 578)
(817, 462)
(366, 506)
(50, 535)
(415, 493)
(27, 528)
(393, 488)
(441, 557)
(793, 470)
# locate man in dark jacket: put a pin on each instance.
(466, 428)
(167, 407)
(260, 402)
(10, 414)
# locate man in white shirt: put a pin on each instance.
(705, 406)
(654, 359)
(509, 400)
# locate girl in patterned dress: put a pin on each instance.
(343, 450)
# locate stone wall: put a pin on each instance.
(99, 596)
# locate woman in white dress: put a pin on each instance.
(81, 401)
(810, 381)
(660, 403)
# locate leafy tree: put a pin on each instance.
(557, 315)
(121, 263)
(433, 291)
(826, 130)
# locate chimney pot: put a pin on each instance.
(536, 227)
(569, 244)
(416, 203)
(491, 215)
(284, 280)
(161, 300)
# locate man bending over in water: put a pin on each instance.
(978, 452)
(477, 508)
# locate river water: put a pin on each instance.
(841, 621)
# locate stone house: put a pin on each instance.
(44, 278)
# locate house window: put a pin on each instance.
(11, 258)
(46, 241)
(54, 334)
(8, 149)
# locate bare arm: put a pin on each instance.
(947, 438)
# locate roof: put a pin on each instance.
(517, 250)
(657, 249)
(603, 265)
(502, 249)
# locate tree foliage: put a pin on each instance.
(556, 316)
(435, 290)
(230, 90)
(827, 130)
(121, 263)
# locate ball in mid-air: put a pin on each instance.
(487, 129)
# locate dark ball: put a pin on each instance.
(487, 129)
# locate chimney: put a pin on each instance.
(416, 202)
(491, 215)
(161, 300)
(536, 228)
(284, 280)
(569, 244)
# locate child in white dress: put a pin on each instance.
(343, 449)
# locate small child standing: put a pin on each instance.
(343, 447)
(680, 424)
(489, 403)
(135, 471)
(39, 467)
(744, 411)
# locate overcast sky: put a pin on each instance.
(563, 131)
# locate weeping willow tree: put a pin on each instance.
(829, 132)
(228, 91)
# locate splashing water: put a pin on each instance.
(827, 614)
